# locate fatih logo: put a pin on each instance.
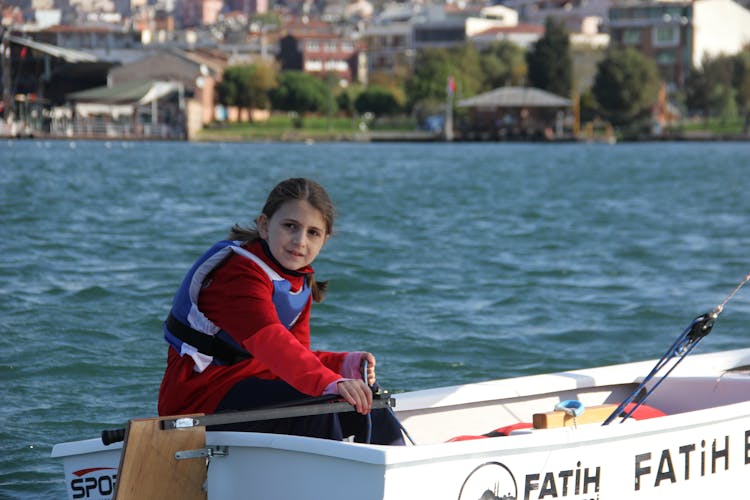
(490, 481)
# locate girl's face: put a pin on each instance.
(295, 233)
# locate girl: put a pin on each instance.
(239, 328)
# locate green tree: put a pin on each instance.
(345, 101)
(503, 63)
(247, 86)
(468, 73)
(698, 93)
(724, 101)
(429, 78)
(625, 86)
(300, 92)
(264, 80)
(709, 86)
(233, 85)
(549, 61)
(377, 100)
(741, 80)
(433, 66)
(587, 106)
(393, 82)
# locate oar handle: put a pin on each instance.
(269, 414)
(113, 436)
(382, 400)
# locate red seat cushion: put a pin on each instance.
(500, 431)
(644, 412)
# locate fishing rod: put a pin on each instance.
(685, 343)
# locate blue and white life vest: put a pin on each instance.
(190, 332)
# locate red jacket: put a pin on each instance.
(238, 299)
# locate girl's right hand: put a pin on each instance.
(357, 393)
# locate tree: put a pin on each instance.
(233, 85)
(710, 87)
(742, 78)
(393, 82)
(503, 63)
(247, 86)
(698, 93)
(376, 100)
(468, 73)
(429, 80)
(626, 85)
(587, 106)
(263, 81)
(300, 92)
(724, 101)
(345, 101)
(549, 62)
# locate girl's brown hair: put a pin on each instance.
(294, 189)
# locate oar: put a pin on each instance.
(685, 343)
(286, 410)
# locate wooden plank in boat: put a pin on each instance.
(559, 418)
(149, 469)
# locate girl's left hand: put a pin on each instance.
(369, 375)
(357, 394)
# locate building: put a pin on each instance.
(320, 54)
(389, 47)
(523, 35)
(439, 34)
(134, 109)
(390, 37)
(36, 76)
(516, 113)
(497, 16)
(195, 72)
(578, 16)
(247, 7)
(105, 37)
(679, 35)
(200, 12)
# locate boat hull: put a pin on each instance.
(701, 449)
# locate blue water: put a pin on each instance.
(453, 263)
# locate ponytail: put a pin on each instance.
(318, 288)
(242, 233)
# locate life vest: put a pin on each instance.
(191, 333)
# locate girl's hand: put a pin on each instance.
(357, 393)
(369, 359)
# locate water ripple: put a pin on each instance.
(452, 262)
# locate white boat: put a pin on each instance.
(699, 448)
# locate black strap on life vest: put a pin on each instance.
(210, 345)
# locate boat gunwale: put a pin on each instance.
(528, 385)
(540, 440)
(700, 366)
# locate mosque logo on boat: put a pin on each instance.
(489, 481)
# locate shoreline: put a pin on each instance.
(387, 136)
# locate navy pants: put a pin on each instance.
(253, 393)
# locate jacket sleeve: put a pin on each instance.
(239, 300)
(288, 359)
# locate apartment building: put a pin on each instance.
(320, 54)
(679, 34)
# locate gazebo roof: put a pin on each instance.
(515, 97)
